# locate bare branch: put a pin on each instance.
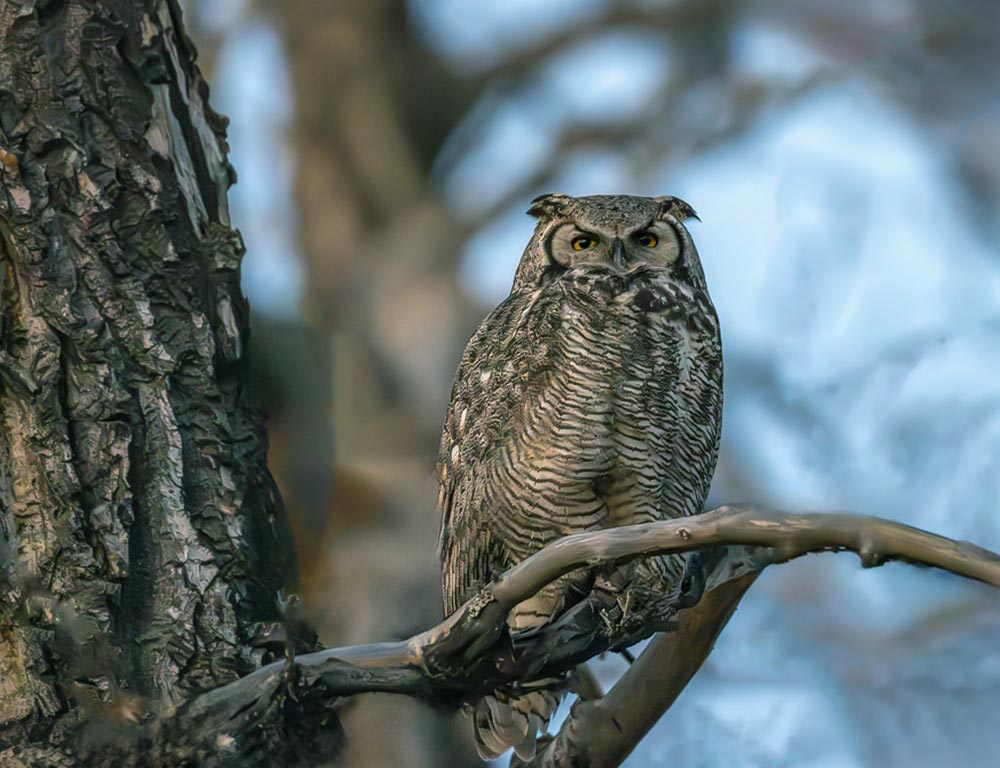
(604, 732)
(470, 652)
(788, 535)
(521, 61)
(286, 712)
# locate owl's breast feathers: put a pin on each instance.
(591, 401)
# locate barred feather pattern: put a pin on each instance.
(590, 400)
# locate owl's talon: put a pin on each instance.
(609, 623)
(616, 625)
(624, 603)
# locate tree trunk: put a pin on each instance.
(142, 542)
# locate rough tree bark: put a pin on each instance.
(142, 542)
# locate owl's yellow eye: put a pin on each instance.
(646, 239)
(583, 243)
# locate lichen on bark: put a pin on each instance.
(142, 540)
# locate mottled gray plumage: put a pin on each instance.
(590, 398)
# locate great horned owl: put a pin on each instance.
(590, 398)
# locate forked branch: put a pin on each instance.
(469, 652)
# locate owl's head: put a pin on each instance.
(618, 230)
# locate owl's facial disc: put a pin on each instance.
(656, 243)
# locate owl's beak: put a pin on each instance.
(618, 252)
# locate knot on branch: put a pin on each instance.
(869, 553)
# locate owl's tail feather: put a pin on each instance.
(501, 722)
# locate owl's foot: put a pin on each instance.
(610, 622)
(624, 603)
(617, 621)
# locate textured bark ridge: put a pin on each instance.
(142, 543)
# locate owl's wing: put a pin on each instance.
(503, 361)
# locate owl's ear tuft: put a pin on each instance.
(549, 205)
(674, 206)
